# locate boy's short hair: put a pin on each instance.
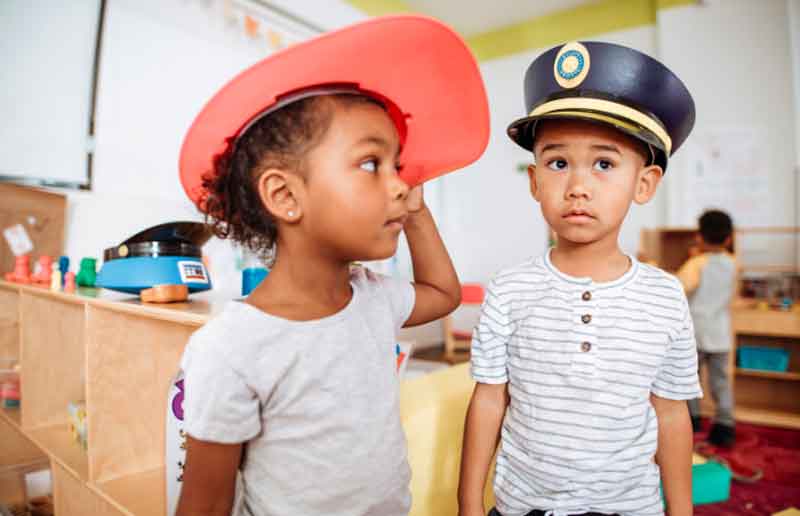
(715, 227)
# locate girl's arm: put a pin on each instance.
(481, 435)
(436, 285)
(209, 478)
(674, 454)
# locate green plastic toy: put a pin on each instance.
(87, 273)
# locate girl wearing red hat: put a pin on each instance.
(315, 156)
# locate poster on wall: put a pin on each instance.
(721, 169)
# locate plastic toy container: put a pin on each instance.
(765, 359)
(711, 483)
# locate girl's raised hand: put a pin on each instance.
(415, 200)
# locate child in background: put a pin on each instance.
(709, 279)
(296, 386)
(584, 358)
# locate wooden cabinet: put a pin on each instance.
(119, 356)
(761, 397)
(766, 397)
(668, 248)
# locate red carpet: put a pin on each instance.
(773, 451)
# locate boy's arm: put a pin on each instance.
(674, 454)
(689, 273)
(209, 478)
(436, 285)
(481, 436)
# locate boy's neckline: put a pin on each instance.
(625, 278)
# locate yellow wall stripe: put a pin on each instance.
(380, 7)
(580, 22)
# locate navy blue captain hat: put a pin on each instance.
(608, 84)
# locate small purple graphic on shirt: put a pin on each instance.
(177, 401)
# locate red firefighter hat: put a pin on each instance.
(419, 68)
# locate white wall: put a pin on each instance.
(491, 221)
(735, 57)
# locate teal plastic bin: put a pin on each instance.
(711, 483)
(765, 359)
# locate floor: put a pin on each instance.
(773, 451)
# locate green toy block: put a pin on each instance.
(711, 483)
(87, 273)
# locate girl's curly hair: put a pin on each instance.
(279, 140)
(233, 207)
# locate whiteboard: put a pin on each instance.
(47, 53)
(161, 61)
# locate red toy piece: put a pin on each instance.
(69, 282)
(22, 270)
(45, 270)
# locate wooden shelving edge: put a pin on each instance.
(772, 375)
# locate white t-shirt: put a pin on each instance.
(581, 359)
(317, 403)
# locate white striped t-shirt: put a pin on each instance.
(581, 359)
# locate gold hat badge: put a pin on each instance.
(571, 65)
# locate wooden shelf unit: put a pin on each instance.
(119, 356)
(668, 247)
(775, 375)
(15, 450)
(761, 397)
(768, 397)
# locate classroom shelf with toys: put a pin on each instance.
(119, 356)
(765, 362)
(116, 355)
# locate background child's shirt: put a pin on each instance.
(581, 359)
(317, 402)
(710, 282)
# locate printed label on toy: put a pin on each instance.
(192, 272)
(18, 240)
(175, 443)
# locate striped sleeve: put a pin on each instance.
(677, 379)
(490, 340)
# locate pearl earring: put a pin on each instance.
(291, 214)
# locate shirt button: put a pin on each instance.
(586, 346)
(586, 319)
(586, 296)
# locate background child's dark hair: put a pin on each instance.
(279, 140)
(715, 227)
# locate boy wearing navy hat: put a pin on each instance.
(584, 358)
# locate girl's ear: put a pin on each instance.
(647, 184)
(278, 191)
